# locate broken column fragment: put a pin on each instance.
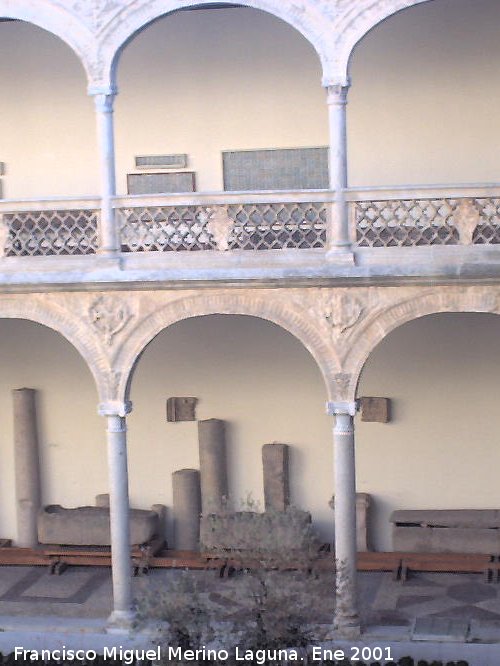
(187, 508)
(213, 472)
(275, 471)
(27, 466)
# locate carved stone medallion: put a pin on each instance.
(109, 314)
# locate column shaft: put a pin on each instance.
(109, 236)
(339, 235)
(213, 470)
(119, 517)
(187, 509)
(346, 613)
(27, 466)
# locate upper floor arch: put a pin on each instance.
(136, 16)
(61, 21)
(354, 21)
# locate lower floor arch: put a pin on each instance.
(261, 381)
(440, 449)
(71, 439)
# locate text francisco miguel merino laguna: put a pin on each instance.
(128, 656)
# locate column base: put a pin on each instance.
(343, 628)
(120, 622)
(341, 254)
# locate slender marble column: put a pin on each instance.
(121, 564)
(27, 465)
(346, 621)
(109, 236)
(339, 236)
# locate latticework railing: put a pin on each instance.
(50, 232)
(252, 226)
(437, 221)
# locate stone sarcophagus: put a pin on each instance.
(447, 531)
(89, 526)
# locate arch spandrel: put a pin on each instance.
(280, 309)
(405, 308)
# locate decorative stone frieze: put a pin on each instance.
(339, 327)
(97, 30)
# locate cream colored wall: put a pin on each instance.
(439, 451)
(205, 81)
(251, 373)
(422, 107)
(72, 436)
(48, 134)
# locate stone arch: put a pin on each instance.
(60, 21)
(69, 327)
(473, 299)
(132, 19)
(355, 22)
(267, 307)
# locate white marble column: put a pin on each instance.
(115, 413)
(346, 621)
(109, 237)
(339, 236)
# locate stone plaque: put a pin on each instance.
(375, 410)
(181, 409)
(161, 161)
(160, 183)
(277, 169)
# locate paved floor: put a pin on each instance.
(86, 593)
(447, 616)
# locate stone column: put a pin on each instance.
(109, 242)
(187, 509)
(121, 564)
(213, 471)
(27, 465)
(275, 472)
(339, 235)
(346, 621)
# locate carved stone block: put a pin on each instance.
(181, 409)
(375, 410)
(275, 472)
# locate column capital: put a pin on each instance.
(342, 407)
(114, 408)
(106, 90)
(104, 101)
(337, 93)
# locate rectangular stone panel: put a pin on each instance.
(276, 169)
(161, 183)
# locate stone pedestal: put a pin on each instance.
(27, 466)
(187, 509)
(213, 472)
(275, 472)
